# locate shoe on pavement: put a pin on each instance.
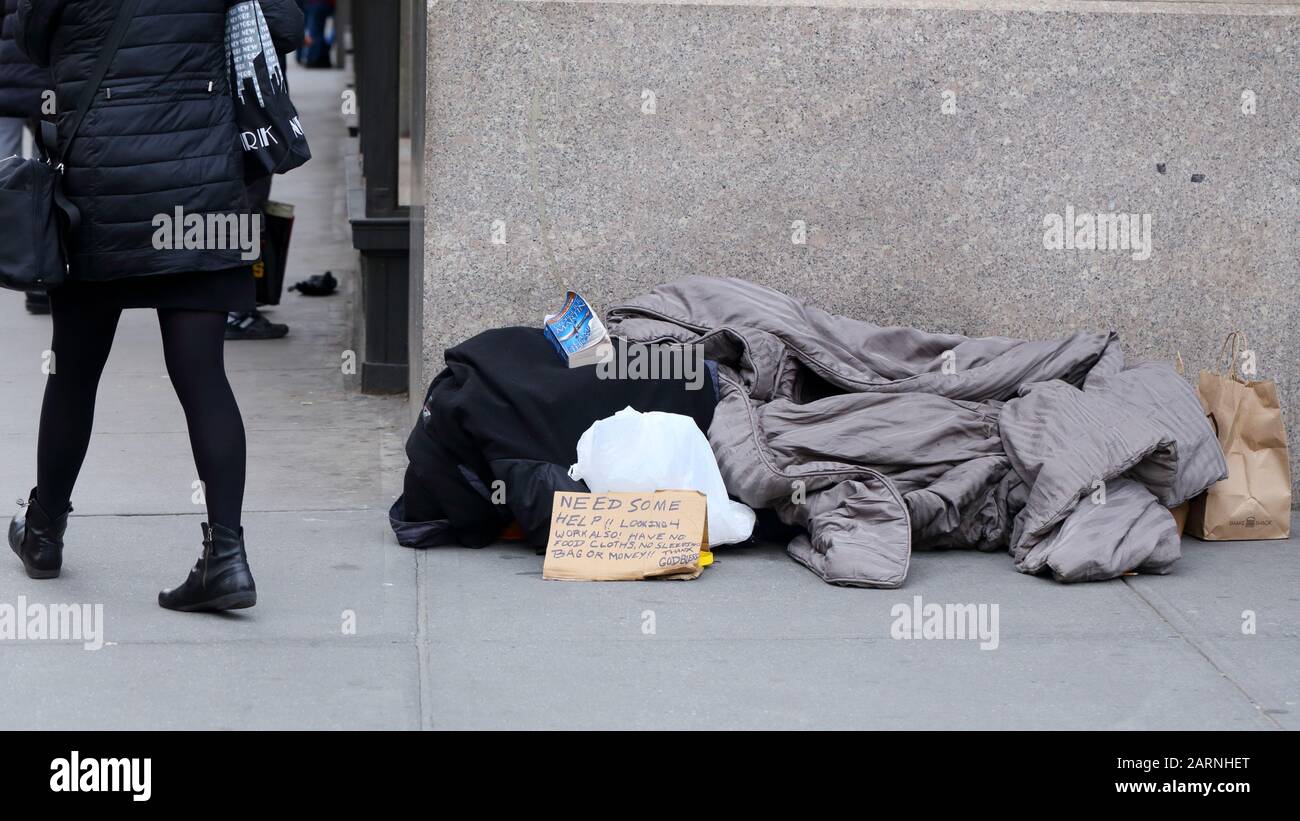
(37, 538)
(253, 325)
(221, 580)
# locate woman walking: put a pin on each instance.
(159, 140)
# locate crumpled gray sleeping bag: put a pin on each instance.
(859, 433)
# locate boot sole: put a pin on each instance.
(230, 601)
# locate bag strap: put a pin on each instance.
(125, 13)
(1234, 342)
(49, 136)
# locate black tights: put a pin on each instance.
(193, 345)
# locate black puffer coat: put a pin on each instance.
(21, 81)
(160, 133)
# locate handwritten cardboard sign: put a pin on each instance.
(627, 536)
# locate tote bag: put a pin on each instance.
(270, 132)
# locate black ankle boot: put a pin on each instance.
(220, 581)
(38, 539)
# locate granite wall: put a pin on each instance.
(897, 164)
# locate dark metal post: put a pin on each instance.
(380, 227)
(378, 33)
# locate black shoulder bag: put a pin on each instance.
(36, 216)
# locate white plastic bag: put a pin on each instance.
(641, 452)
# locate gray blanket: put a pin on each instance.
(875, 439)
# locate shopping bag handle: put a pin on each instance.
(1235, 341)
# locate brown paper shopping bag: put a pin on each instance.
(1254, 502)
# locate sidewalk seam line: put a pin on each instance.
(1254, 702)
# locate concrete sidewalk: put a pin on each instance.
(759, 641)
(456, 638)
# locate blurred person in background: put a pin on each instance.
(315, 50)
(252, 323)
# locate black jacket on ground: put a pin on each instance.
(506, 407)
(160, 134)
(21, 81)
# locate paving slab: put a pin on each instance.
(332, 575)
(758, 641)
(707, 683)
(271, 399)
(755, 593)
(153, 473)
(268, 685)
(1238, 603)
